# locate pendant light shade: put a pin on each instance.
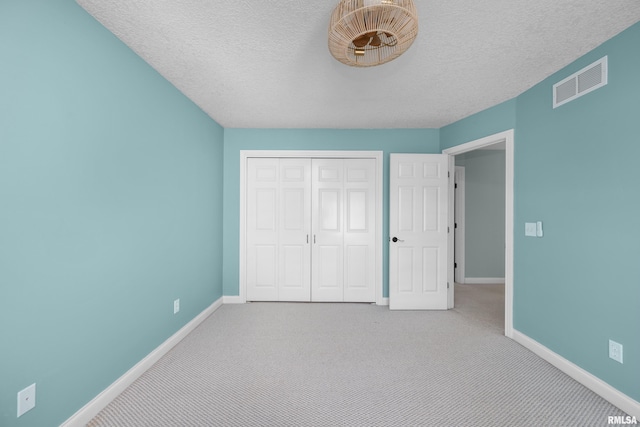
(364, 33)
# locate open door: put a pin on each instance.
(418, 231)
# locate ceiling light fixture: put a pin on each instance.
(364, 33)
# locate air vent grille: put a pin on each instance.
(584, 81)
(590, 78)
(566, 90)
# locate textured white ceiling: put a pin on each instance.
(265, 64)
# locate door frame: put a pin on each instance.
(329, 154)
(459, 224)
(506, 137)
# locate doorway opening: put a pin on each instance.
(503, 141)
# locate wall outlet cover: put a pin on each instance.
(26, 399)
(615, 351)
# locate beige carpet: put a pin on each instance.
(481, 303)
(288, 364)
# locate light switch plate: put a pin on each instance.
(539, 232)
(530, 229)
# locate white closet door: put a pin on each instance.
(278, 228)
(343, 212)
(262, 229)
(310, 232)
(328, 230)
(359, 230)
(295, 228)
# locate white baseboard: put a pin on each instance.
(233, 299)
(98, 403)
(595, 384)
(483, 280)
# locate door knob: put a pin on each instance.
(395, 239)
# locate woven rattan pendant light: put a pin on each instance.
(364, 33)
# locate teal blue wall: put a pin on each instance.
(111, 190)
(488, 122)
(576, 170)
(111, 185)
(388, 141)
(577, 287)
(484, 212)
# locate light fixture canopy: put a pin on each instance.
(364, 33)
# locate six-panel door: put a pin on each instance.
(418, 228)
(311, 229)
(278, 229)
(343, 212)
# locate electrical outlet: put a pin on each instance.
(615, 351)
(176, 306)
(26, 399)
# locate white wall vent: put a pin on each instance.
(584, 81)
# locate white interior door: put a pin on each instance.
(343, 210)
(262, 230)
(328, 230)
(295, 229)
(278, 229)
(359, 230)
(418, 228)
(311, 229)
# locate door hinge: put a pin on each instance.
(448, 231)
(447, 285)
(455, 185)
